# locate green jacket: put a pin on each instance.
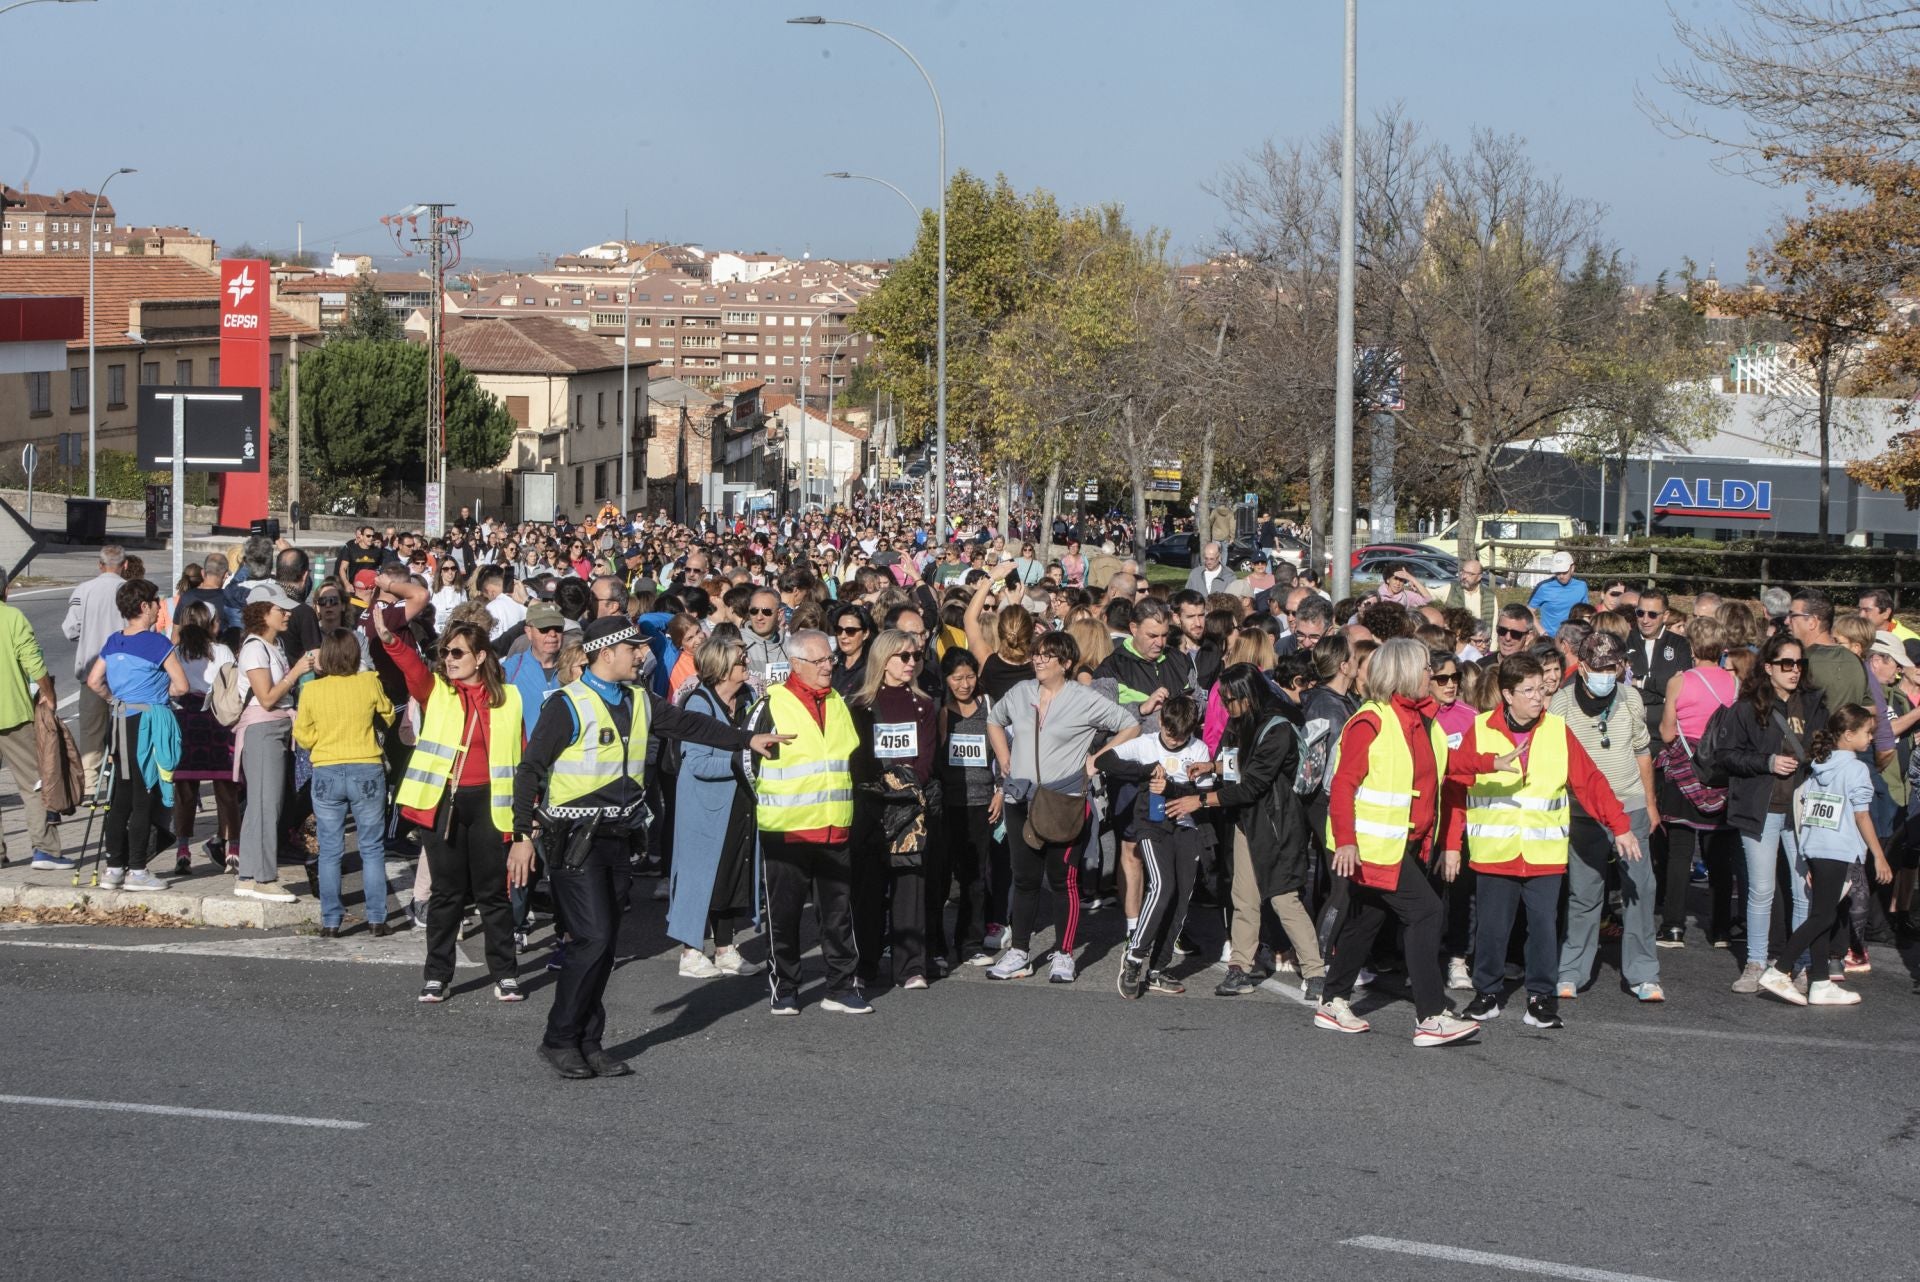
(22, 665)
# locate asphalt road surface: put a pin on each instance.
(973, 1130)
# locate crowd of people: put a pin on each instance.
(945, 749)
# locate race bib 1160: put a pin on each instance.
(1822, 810)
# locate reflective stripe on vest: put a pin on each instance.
(1526, 818)
(443, 724)
(811, 784)
(1383, 803)
(594, 760)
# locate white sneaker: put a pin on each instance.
(1226, 953)
(1828, 993)
(1458, 976)
(113, 878)
(980, 959)
(1780, 985)
(661, 892)
(1365, 979)
(272, 891)
(1336, 1016)
(1061, 972)
(729, 962)
(697, 965)
(1013, 964)
(141, 879)
(1442, 1029)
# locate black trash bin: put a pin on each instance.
(86, 520)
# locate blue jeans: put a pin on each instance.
(361, 788)
(1763, 858)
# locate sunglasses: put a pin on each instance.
(1788, 665)
(548, 631)
(451, 653)
(1514, 634)
(910, 656)
(854, 631)
(1648, 614)
(1446, 678)
(326, 600)
(763, 613)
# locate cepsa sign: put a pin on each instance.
(1738, 500)
(244, 301)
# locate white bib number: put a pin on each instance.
(1230, 765)
(967, 750)
(777, 670)
(1822, 810)
(1453, 740)
(894, 741)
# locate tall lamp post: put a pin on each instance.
(940, 338)
(93, 417)
(911, 204)
(626, 388)
(1343, 339)
(21, 4)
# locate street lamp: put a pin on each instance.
(93, 417)
(911, 203)
(626, 389)
(21, 4)
(1343, 333)
(940, 339)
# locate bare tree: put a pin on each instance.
(1805, 77)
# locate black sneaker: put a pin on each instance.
(1542, 1012)
(1133, 978)
(1161, 982)
(1483, 1007)
(434, 992)
(1672, 937)
(1236, 983)
(786, 1004)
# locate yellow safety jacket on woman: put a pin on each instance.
(443, 725)
(809, 785)
(1383, 804)
(1519, 821)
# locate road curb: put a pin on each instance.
(225, 910)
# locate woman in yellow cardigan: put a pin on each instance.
(337, 723)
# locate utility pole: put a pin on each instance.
(1342, 540)
(293, 435)
(442, 242)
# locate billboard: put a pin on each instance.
(223, 428)
(1738, 499)
(246, 328)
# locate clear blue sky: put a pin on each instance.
(712, 120)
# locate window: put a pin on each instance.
(666, 342)
(742, 318)
(39, 394)
(213, 372)
(600, 412)
(517, 408)
(116, 387)
(274, 363)
(788, 340)
(599, 480)
(619, 405)
(183, 373)
(579, 411)
(149, 373)
(579, 486)
(668, 322)
(786, 360)
(77, 390)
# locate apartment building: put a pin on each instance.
(38, 224)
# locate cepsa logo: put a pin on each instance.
(240, 320)
(240, 288)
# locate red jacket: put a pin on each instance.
(1356, 743)
(1584, 780)
(474, 765)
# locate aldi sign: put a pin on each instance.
(1736, 499)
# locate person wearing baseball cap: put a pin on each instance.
(1605, 715)
(1555, 596)
(582, 779)
(363, 589)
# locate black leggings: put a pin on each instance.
(1824, 919)
(1056, 864)
(128, 834)
(467, 856)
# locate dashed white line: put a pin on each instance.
(168, 1110)
(1487, 1259)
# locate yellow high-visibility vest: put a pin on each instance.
(443, 723)
(595, 759)
(1525, 817)
(810, 784)
(1383, 804)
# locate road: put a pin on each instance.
(973, 1130)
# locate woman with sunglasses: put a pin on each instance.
(458, 786)
(1765, 755)
(851, 631)
(1455, 716)
(896, 814)
(449, 593)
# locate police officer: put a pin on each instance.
(583, 779)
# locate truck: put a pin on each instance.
(1525, 540)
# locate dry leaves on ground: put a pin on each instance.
(130, 915)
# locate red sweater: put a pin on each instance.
(473, 765)
(1584, 780)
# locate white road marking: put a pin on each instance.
(273, 948)
(67, 590)
(166, 1110)
(1778, 1039)
(1486, 1259)
(68, 700)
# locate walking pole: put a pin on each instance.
(102, 784)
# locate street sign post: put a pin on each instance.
(225, 428)
(29, 460)
(19, 542)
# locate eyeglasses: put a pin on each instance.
(326, 600)
(450, 653)
(910, 656)
(1446, 678)
(853, 631)
(1514, 634)
(823, 659)
(762, 613)
(547, 632)
(1789, 665)
(1648, 614)
(1039, 659)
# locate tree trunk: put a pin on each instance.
(1049, 508)
(1000, 484)
(1620, 517)
(1318, 517)
(1203, 506)
(1825, 423)
(1137, 473)
(1469, 514)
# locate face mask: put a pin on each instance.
(1601, 684)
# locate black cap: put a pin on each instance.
(602, 633)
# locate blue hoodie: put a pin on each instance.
(1837, 789)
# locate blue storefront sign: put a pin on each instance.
(1736, 499)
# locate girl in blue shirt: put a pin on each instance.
(138, 669)
(1836, 832)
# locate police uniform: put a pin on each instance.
(586, 765)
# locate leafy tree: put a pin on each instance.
(363, 415)
(367, 315)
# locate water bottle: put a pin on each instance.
(1156, 807)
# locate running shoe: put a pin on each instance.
(732, 962)
(1649, 993)
(1458, 976)
(1566, 993)
(1315, 989)
(1542, 1012)
(508, 990)
(1133, 978)
(696, 965)
(47, 862)
(1236, 983)
(1671, 937)
(1061, 971)
(980, 959)
(1161, 982)
(1859, 962)
(141, 879)
(433, 992)
(113, 878)
(1483, 1007)
(1749, 981)
(915, 983)
(848, 1001)
(786, 1004)
(1336, 1016)
(1780, 984)
(1442, 1030)
(1013, 964)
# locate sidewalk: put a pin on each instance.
(203, 898)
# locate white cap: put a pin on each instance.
(1560, 562)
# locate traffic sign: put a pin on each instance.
(223, 428)
(19, 542)
(29, 458)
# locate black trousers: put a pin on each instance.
(789, 870)
(1056, 864)
(1824, 919)
(1414, 902)
(968, 839)
(467, 856)
(1497, 900)
(1172, 863)
(592, 901)
(132, 808)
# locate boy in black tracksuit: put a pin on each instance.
(1173, 763)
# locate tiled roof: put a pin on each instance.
(62, 204)
(533, 345)
(119, 282)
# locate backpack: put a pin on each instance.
(1709, 751)
(1316, 748)
(228, 694)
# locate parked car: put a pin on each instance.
(1430, 567)
(1182, 552)
(1394, 549)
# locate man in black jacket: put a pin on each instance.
(1657, 655)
